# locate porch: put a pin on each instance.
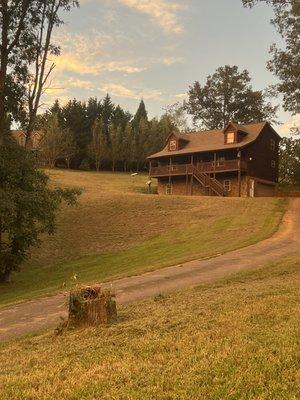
(211, 167)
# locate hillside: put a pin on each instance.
(235, 339)
(117, 229)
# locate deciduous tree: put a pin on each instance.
(285, 62)
(227, 96)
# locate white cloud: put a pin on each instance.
(162, 12)
(285, 129)
(180, 96)
(120, 90)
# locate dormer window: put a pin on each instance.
(230, 137)
(173, 145)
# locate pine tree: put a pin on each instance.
(140, 114)
(107, 113)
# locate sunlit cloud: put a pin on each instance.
(164, 13)
(286, 128)
(120, 90)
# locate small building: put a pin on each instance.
(240, 160)
(20, 137)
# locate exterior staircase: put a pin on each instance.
(209, 183)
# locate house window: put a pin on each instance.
(169, 188)
(273, 144)
(230, 137)
(221, 162)
(227, 185)
(172, 145)
(273, 164)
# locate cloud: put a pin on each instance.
(180, 96)
(119, 90)
(294, 122)
(162, 12)
(85, 54)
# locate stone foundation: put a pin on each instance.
(188, 186)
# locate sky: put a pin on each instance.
(156, 49)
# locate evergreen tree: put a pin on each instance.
(107, 113)
(141, 114)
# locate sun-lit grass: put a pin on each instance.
(116, 230)
(236, 339)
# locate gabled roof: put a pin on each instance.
(213, 140)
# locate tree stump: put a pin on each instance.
(92, 306)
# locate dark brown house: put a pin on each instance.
(240, 160)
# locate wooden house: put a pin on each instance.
(240, 160)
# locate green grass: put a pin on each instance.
(237, 339)
(116, 231)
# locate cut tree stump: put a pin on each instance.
(92, 306)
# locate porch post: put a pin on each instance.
(192, 176)
(170, 166)
(150, 166)
(239, 171)
(215, 162)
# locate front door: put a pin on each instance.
(251, 187)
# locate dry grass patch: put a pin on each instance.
(116, 230)
(236, 339)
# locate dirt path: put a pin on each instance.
(37, 315)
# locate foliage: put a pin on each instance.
(27, 206)
(26, 32)
(227, 96)
(98, 148)
(285, 63)
(55, 143)
(108, 136)
(289, 167)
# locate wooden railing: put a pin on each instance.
(185, 169)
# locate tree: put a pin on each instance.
(13, 17)
(55, 142)
(178, 117)
(140, 114)
(289, 155)
(285, 63)
(107, 113)
(27, 206)
(97, 149)
(41, 48)
(227, 96)
(115, 147)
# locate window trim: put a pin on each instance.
(169, 189)
(173, 147)
(233, 134)
(227, 185)
(273, 144)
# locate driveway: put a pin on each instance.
(44, 313)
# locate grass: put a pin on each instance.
(237, 339)
(117, 230)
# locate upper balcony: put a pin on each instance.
(207, 167)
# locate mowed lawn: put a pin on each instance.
(238, 339)
(118, 229)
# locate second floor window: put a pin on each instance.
(273, 144)
(230, 137)
(172, 145)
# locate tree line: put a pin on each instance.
(98, 134)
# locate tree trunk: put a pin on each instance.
(5, 276)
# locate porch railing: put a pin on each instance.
(209, 167)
